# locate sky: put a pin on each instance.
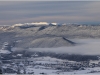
(82, 12)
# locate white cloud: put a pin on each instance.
(86, 47)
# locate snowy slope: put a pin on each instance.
(47, 35)
(4, 52)
(51, 42)
(41, 69)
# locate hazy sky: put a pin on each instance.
(12, 12)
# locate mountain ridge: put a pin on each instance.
(29, 34)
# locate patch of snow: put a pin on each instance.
(4, 52)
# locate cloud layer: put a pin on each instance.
(84, 47)
(12, 12)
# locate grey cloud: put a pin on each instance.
(36, 10)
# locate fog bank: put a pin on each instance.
(84, 46)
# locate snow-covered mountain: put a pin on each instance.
(52, 42)
(41, 34)
(34, 24)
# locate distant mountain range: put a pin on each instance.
(45, 34)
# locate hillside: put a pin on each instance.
(46, 35)
(51, 42)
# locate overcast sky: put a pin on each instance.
(12, 12)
